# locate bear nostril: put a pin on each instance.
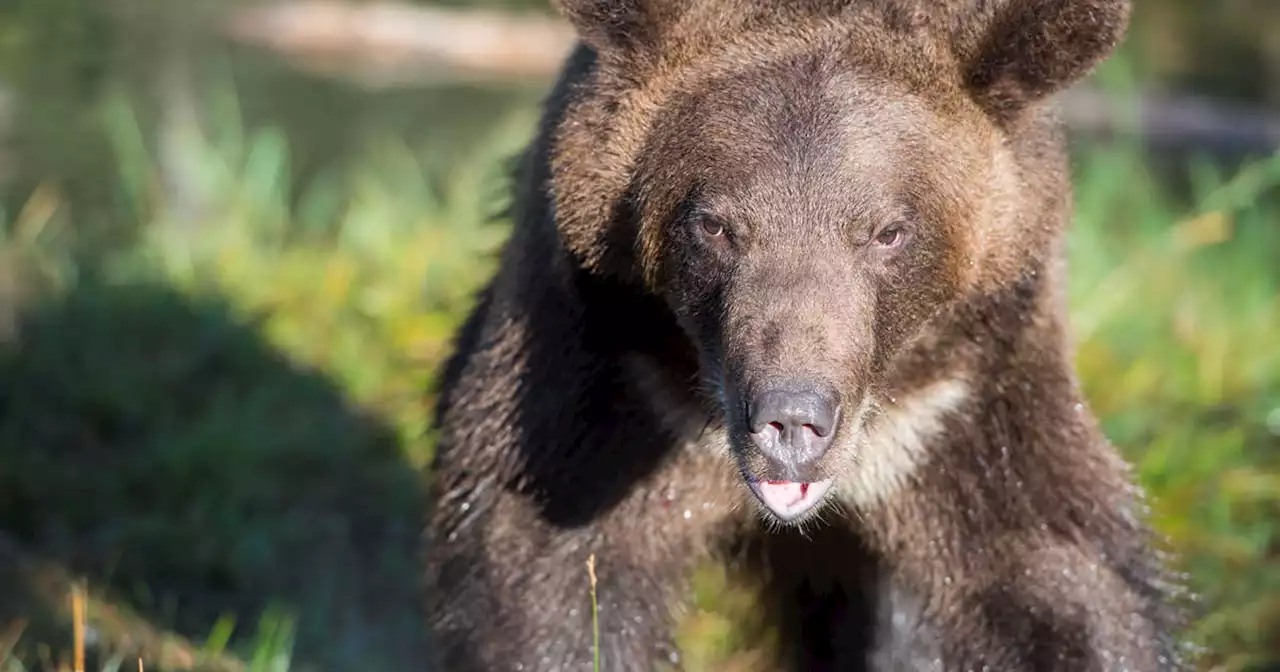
(803, 420)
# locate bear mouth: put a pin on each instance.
(789, 500)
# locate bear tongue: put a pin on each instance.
(804, 487)
(789, 499)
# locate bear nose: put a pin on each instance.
(794, 425)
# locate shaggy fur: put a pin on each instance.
(728, 196)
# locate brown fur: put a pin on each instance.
(698, 220)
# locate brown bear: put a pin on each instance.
(786, 287)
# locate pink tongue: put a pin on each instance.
(794, 492)
(784, 493)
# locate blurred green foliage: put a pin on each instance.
(215, 397)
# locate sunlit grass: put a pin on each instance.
(364, 278)
(377, 260)
(1177, 319)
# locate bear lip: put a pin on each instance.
(789, 500)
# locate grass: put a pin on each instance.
(1176, 330)
(227, 419)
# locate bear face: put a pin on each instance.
(821, 218)
(811, 187)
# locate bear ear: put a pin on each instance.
(1017, 52)
(606, 25)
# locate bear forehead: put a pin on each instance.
(800, 113)
(710, 40)
(811, 129)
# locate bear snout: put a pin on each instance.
(793, 426)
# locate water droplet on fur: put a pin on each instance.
(688, 514)
(946, 580)
(671, 495)
(638, 619)
(1004, 452)
(520, 666)
(453, 536)
(466, 506)
(674, 657)
(1079, 408)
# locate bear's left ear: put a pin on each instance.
(608, 25)
(1018, 52)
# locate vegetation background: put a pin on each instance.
(226, 279)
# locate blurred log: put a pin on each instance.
(387, 43)
(1173, 123)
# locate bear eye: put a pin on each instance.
(711, 226)
(891, 236)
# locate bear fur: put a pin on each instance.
(865, 200)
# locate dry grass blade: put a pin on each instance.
(77, 623)
(595, 623)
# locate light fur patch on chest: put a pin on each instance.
(895, 442)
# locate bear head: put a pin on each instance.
(810, 185)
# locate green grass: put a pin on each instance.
(224, 425)
(1178, 352)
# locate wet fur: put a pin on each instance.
(980, 518)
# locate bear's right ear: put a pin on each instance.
(1017, 52)
(607, 25)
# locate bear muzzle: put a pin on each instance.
(791, 427)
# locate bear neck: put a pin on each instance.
(983, 446)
